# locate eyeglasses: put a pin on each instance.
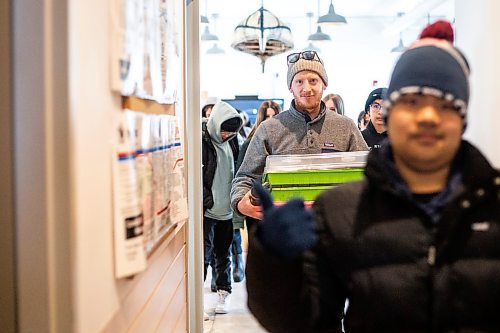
(376, 106)
(306, 55)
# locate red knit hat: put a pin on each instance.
(440, 29)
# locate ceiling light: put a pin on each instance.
(204, 18)
(332, 17)
(319, 36)
(215, 49)
(208, 36)
(311, 47)
(263, 35)
(400, 47)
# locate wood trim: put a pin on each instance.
(7, 236)
(147, 106)
(168, 236)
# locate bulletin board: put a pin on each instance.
(146, 57)
(149, 185)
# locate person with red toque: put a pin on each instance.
(413, 247)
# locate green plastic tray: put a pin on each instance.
(313, 177)
(306, 193)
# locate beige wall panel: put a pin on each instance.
(174, 318)
(137, 293)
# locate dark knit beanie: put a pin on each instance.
(378, 93)
(231, 125)
(432, 66)
(314, 65)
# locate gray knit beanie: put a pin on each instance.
(302, 64)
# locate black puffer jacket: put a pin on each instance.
(400, 271)
(372, 137)
(209, 160)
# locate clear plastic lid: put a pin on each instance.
(324, 161)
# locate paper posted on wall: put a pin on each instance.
(150, 195)
(130, 257)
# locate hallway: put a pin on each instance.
(238, 319)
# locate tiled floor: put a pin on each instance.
(238, 319)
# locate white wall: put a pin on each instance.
(92, 108)
(478, 36)
(357, 55)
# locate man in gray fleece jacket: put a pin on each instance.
(306, 128)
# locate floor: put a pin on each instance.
(238, 319)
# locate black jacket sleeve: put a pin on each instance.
(304, 295)
(209, 161)
(274, 290)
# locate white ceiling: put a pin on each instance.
(415, 11)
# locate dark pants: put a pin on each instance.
(236, 245)
(217, 239)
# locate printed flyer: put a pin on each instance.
(149, 188)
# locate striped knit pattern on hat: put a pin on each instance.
(432, 66)
(431, 70)
(306, 65)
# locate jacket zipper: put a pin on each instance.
(431, 255)
(431, 261)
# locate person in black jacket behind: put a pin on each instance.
(375, 131)
(219, 155)
(414, 247)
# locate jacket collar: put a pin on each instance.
(372, 129)
(305, 116)
(470, 170)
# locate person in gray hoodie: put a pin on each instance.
(219, 154)
(306, 128)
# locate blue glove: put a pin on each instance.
(285, 231)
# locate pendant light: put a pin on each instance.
(215, 49)
(310, 46)
(204, 18)
(400, 47)
(332, 18)
(319, 36)
(263, 35)
(207, 36)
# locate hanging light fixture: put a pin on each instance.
(206, 34)
(263, 35)
(400, 47)
(332, 17)
(319, 36)
(310, 46)
(204, 18)
(215, 49)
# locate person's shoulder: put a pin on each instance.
(273, 123)
(339, 119)
(281, 115)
